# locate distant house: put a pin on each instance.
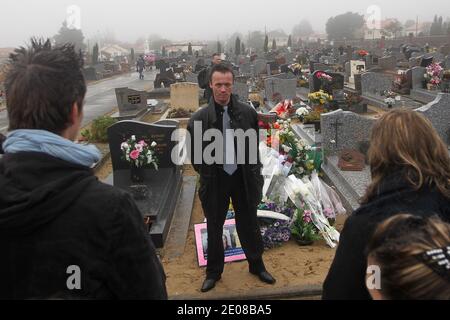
(417, 30)
(279, 36)
(112, 51)
(377, 33)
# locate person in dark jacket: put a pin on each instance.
(410, 167)
(227, 177)
(204, 76)
(64, 234)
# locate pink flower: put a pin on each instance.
(134, 154)
(329, 213)
(307, 216)
(139, 147)
(142, 143)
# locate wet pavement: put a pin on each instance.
(101, 97)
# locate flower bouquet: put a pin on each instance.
(139, 154)
(284, 109)
(319, 100)
(433, 76)
(302, 193)
(303, 229)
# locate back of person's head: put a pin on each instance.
(42, 85)
(405, 141)
(413, 255)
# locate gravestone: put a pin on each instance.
(321, 67)
(192, 77)
(347, 71)
(245, 68)
(388, 63)
(90, 74)
(445, 49)
(286, 88)
(447, 62)
(336, 84)
(241, 90)
(438, 112)
(356, 66)
(375, 84)
(162, 186)
(160, 93)
(417, 77)
(132, 104)
(418, 91)
(185, 95)
(259, 66)
(344, 130)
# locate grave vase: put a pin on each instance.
(431, 87)
(137, 174)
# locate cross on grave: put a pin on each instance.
(336, 126)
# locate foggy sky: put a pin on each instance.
(191, 19)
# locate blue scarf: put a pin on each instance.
(53, 145)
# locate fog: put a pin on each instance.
(179, 20)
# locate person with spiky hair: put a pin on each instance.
(61, 230)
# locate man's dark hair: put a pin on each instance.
(222, 68)
(216, 54)
(42, 84)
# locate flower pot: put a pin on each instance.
(303, 243)
(137, 174)
(431, 87)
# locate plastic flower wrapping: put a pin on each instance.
(284, 191)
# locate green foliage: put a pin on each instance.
(289, 44)
(98, 131)
(190, 49)
(266, 44)
(219, 47)
(303, 229)
(237, 46)
(95, 54)
(72, 36)
(303, 29)
(345, 26)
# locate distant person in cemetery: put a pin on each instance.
(410, 255)
(410, 167)
(221, 181)
(203, 76)
(62, 230)
(140, 67)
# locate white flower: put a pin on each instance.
(302, 112)
(301, 170)
(308, 148)
(139, 148)
(124, 146)
(286, 149)
(333, 142)
(154, 144)
(133, 138)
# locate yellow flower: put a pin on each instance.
(322, 101)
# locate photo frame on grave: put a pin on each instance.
(232, 244)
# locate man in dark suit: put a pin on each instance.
(236, 177)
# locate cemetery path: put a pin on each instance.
(101, 97)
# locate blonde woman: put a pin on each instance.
(410, 167)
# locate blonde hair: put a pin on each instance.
(404, 140)
(397, 247)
